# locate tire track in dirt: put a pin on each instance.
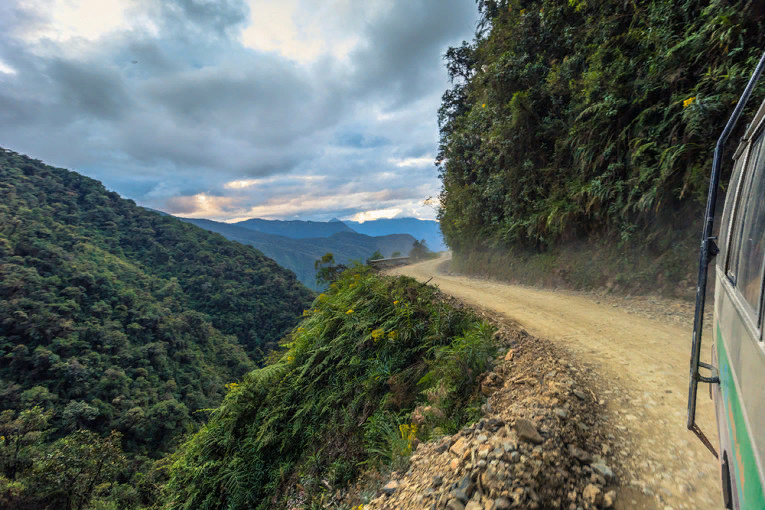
(641, 368)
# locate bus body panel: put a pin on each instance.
(739, 355)
(738, 399)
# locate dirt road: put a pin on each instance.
(641, 364)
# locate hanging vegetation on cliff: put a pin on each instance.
(568, 118)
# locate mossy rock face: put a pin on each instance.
(340, 392)
(572, 118)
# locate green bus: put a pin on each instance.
(736, 373)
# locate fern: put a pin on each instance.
(334, 399)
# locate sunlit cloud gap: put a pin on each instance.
(250, 183)
(376, 215)
(412, 162)
(6, 69)
(79, 19)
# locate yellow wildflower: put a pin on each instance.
(408, 432)
(378, 334)
(483, 105)
(395, 302)
(232, 386)
(688, 102)
(351, 285)
(357, 276)
(393, 335)
(332, 285)
(322, 297)
(349, 312)
(300, 330)
(290, 359)
(306, 313)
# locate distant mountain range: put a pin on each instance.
(300, 254)
(298, 229)
(430, 230)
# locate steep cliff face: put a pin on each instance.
(568, 119)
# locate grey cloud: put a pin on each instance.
(198, 110)
(272, 101)
(148, 58)
(217, 15)
(90, 90)
(16, 19)
(402, 57)
(354, 138)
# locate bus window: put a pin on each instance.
(731, 268)
(751, 258)
(730, 197)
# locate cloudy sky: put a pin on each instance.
(231, 109)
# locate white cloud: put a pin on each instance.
(252, 183)
(376, 215)
(304, 30)
(422, 162)
(85, 19)
(6, 69)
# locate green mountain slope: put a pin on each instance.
(115, 317)
(296, 229)
(299, 255)
(572, 118)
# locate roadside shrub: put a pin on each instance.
(340, 393)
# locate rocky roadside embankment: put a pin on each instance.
(539, 444)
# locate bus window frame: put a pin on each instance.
(739, 170)
(754, 317)
(735, 214)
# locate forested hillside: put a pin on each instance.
(300, 255)
(115, 318)
(568, 119)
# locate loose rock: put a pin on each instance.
(455, 505)
(390, 488)
(501, 503)
(527, 431)
(602, 468)
(609, 499)
(591, 494)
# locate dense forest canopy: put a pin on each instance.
(569, 118)
(115, 318)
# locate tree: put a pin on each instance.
(420, 250)
(396, 254)
(327, 271)
(19, 436)
(376, 256)
(75, 465)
